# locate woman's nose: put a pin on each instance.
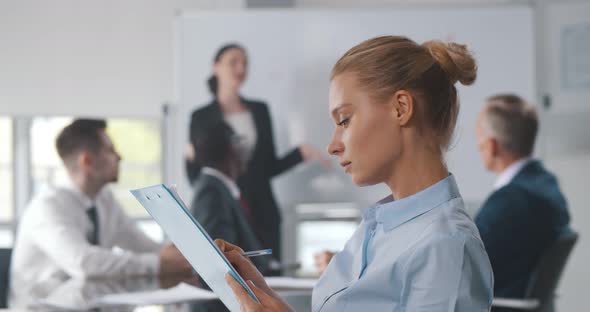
(335, 147)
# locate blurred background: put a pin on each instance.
(142, 64)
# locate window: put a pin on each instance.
(138, 141)
(321, 227)
(6, 182)
(317, 236)
(47, 168)
(139, 144)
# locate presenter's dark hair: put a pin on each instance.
(212, 82)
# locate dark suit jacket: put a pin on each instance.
(221, 216)
(263, 166)
(517, 223)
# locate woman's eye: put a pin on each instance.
(344, 122)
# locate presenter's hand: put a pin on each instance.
(310, 153)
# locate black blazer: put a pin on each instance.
(262, 167)
(222, 216)
(517, 223)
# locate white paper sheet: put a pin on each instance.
(180, 293)
(291, 282)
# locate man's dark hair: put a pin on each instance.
(80, 135)
(212, 143)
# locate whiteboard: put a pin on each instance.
(290, 57)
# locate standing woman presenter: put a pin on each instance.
(252, 122)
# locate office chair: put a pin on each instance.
(5, 255)
(540, 292)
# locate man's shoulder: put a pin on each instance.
(207, 184)
(511, 199)
(50, 202)
(510, 191)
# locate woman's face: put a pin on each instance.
(231, 68)
(367, 138)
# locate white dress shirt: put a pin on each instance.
(510, 172)
(52, 244)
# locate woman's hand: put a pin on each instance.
(242, 264)
(269, 300)
(310, 153)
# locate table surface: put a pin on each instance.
(86, 294)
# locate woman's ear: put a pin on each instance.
(402, 105)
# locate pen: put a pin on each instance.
(255, 253)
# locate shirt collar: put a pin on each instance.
(229, 183)
(393, 213)
(510, 172)
(85, 201)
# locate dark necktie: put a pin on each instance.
(246, 208)
(93, 216)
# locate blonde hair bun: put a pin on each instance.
(455, 59)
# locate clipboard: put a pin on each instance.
(170, 212)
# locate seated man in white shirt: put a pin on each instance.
(70, 231)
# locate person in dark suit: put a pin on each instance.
(251, 120)
(216, 196)
(527, 211)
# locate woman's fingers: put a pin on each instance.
(264, 298)
(242, 264)
(227, 247)
(246, 302)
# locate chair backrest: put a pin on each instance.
(5, 255)
(548, 271)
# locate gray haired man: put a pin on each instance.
(526, 211)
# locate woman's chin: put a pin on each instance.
(362, 181)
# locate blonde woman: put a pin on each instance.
(394, 105)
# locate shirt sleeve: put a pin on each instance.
(60, 234)
(450, 273)
(277, 165)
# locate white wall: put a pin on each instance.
(83, 57)
(565, 134)
(292, 52)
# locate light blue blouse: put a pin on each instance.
(420, 253)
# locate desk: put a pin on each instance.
(130, 293)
